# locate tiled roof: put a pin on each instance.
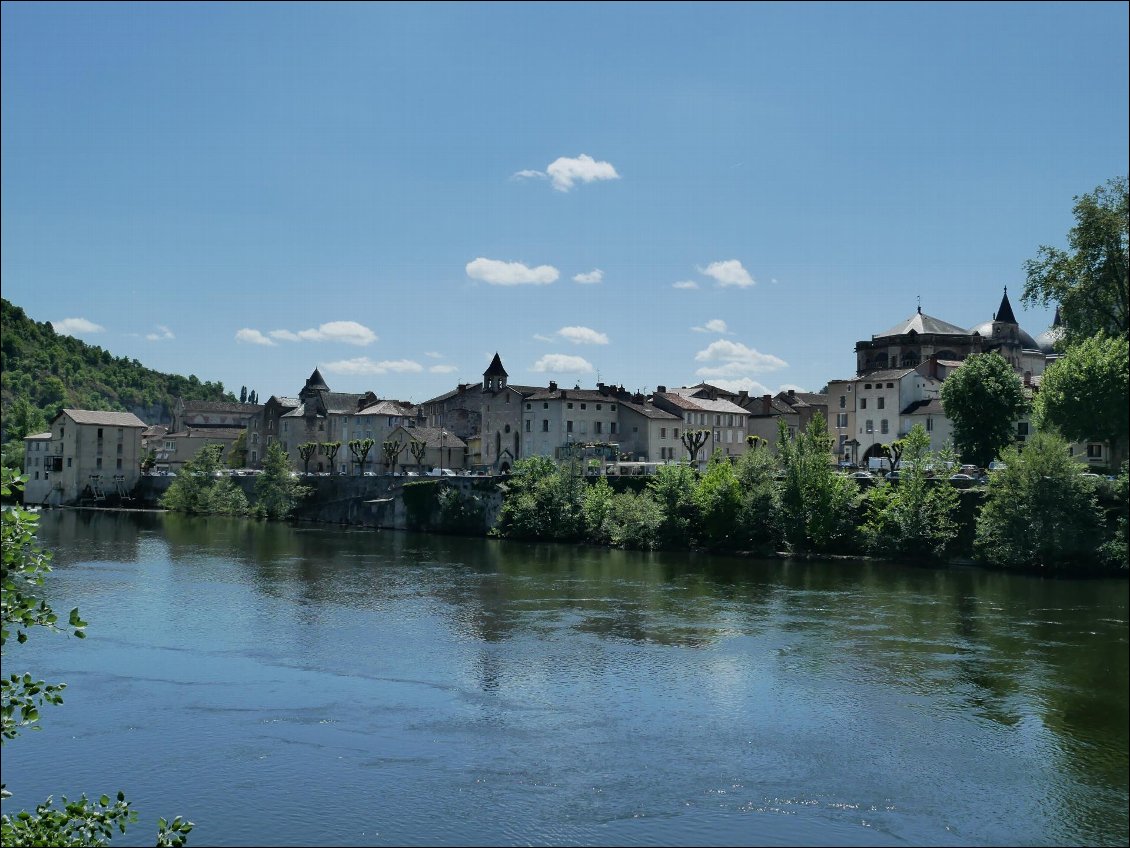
(105, 419)
(227, 433)
(434, 437)
(803, 398)
(649, 411)
(387, 407)
(461, 389)
(573, 394)
(155, 430)
(776, 407)
(697, 404)
(495, 368)
(285, 401)
(922, 323)
(38, 436)
(888, 374)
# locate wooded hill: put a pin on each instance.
(51, 372)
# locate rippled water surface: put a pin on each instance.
(313, 686)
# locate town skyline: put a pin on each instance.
(661, 196)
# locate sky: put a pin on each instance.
(639, 194)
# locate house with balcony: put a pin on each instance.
(92, 455)
(37, 468)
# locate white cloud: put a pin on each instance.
(442, 369)
(559, 363)
(346, 332)
(74, 326)
(162, 334)
(728, 273)
(538, 337)
(582, 335)
(747, 384)
(716, 325)
(565, 172)
(364, 365)
(249, 336)
(499, 273)
(593, 276)
(529, 174)
(431, 354)
(734, 359)
(685, 284)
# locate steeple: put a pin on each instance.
(1057, 321)
(1004, 313)
(494, 378)
(314, 384)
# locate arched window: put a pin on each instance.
(497, 444)
(910, 359)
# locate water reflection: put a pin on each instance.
(955, 705)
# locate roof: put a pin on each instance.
(887, 374)
(284, 401)
(649, 411)
(155, 430)
(930, 406)
(226, 433)
(221, 406)
(461, 389)
(985, 329)
(38, 436)
(922, 323)
(104, 419)
(756, 408)
(387, 407)
(573, 394)
(434, 437)
(315, 381)
(1004, 311)
(495, 368)
(698, 404)
(795, 398)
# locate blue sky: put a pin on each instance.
(394, 192)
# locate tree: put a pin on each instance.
(81, 822)
(815, 509)
(542, 502)
(756, 470)
(673, 489)
(984, 399)
(1085, 394)
(1040, 511)
(237, 453)
(22, 419)
(718, 496)
(419, 450)
(306, 452)
(916, 517)
(243, 394)
(148, 461)
(1089, 281)
(277, 492)
(392, 449)
(360, 449)
(200, 487)
(693, 441)
(329, 450)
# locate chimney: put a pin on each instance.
(600, 387)
(743, 398)
(553, 385)
(766, 404)
(638, 397)
(661, 389)
(792, 392)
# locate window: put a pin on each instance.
(545, 405)
(1094, 451)
(98, 463)
(569, 405)
(528, 423)
(69, 462)
(529, 406)
(119, 448)
(613, 407)
(100, 432)
(612, 428)
(596, 425)
(569, 426)
(1022, 428)
(929, 425)
(866, 385)
(545, 425)
(863, 403)
(663, 432)
(883, 427)
(119, 463)
(676, 435)
(584, 406)
(598, 406)
(882, 403)
(506, 428)
(870, 427)
(890, 385)
(841, 419)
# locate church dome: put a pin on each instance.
(985, 330)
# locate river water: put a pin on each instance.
(322, 686)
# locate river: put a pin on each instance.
(324, 686)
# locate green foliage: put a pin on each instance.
(673, 489)
(306, 453)
(596, 505)
(1089, 281)
(49, 372)
(984, 399)
(756, 470)
(76, 823)
(329, 451)
(23, 419)
(148, 461)
(391, 450)
(718, 498)
(815, 506)
(543, 502)
(634, 521)
(12, 455)
(694, 441)
(419, 450)
(1085, 394)
(916, 517)
(360, 449)
(1116, 552)
(237, 452)
(460, 513)
(276, 491)
(1040, 511)
(200, 488)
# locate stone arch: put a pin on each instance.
(876, 450)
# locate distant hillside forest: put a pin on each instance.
(51, 372)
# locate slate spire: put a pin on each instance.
(1004, 313)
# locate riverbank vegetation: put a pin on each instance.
(202, 487)
(1040, 512)
(23, 611)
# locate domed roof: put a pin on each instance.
(1047, 339)
(922, 323)
(985, 329)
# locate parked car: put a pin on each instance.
(442, 472)
(962, 481)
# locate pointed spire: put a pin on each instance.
(495, 368)
(1004, 313)
(1057, 321)
(316, 382)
